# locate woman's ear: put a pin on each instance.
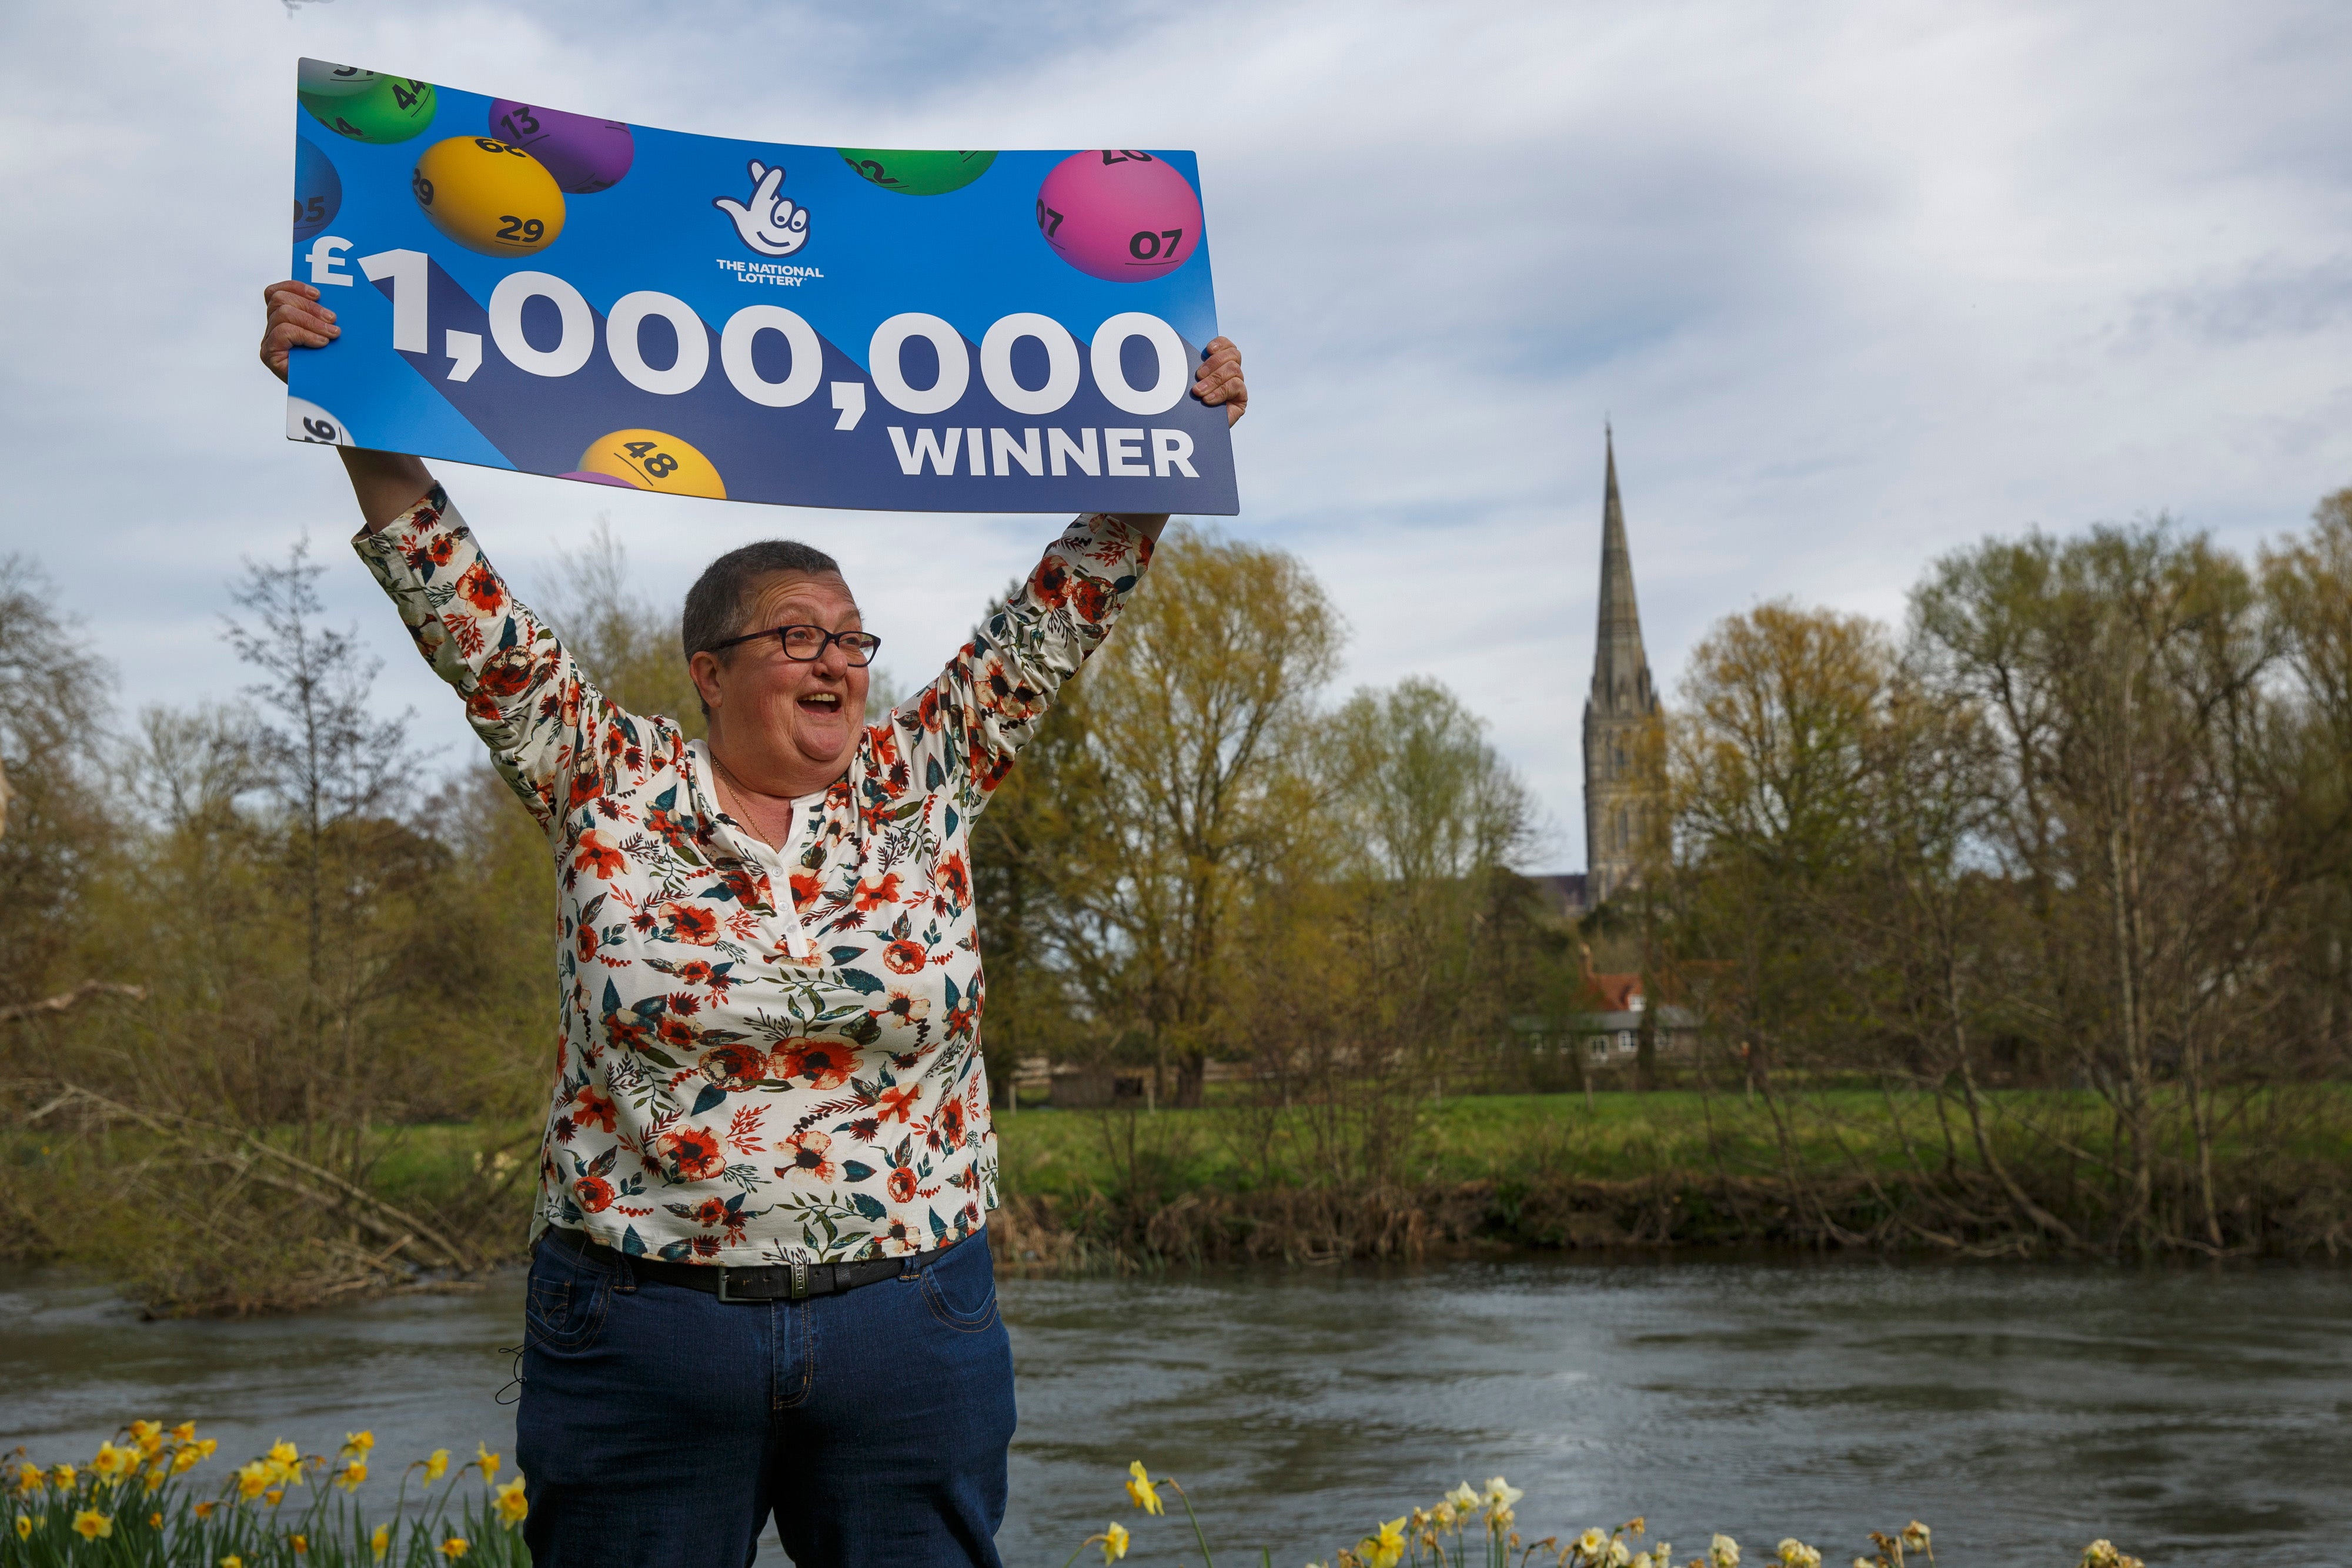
(705, 670)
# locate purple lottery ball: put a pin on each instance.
(584, 155)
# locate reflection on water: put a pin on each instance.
(2021, 1409)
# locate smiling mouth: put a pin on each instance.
(820, 702)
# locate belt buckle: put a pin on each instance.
(722, 1288)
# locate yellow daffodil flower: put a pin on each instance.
(252, 1480)
(435, 1463)
(1723, 1552)
(1589, 1544)
(93, 1525)
(358, 1442)
(1385, 1550)
(1795, 1553)
(63, 1477)
(454, 1548)
(148, 1435)
(1114, 1542)
(1463, 1499)
(24, 1527)
(232, 1561)
(30, 1478)
(1622, 1555)
(1141, 1491)
(1501, 1493)
(380, 1542)
(487, 1461)
(204, 1509)
(285, 1455)
(273, 1496)
(300, 1544)
(185, 1432)
(353, 1474)
(154, 1522)
(109, 1462)
(513, 1508)
(186, 1459)
(1643, 1560)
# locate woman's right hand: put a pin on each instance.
(295, 321)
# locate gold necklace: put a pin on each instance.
(734, 785)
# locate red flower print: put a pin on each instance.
(585, 787)
(1092, 598)
(905, 958)
(804, 889)
(902, 1185)
(674, 1031)
(505, 673)
(1051, 581)
(587, 1106)
(692, 1155)
(598, 856)
(711, 1211)
(587, 942)
(807, 1151)
(897, 1103)
(927, 710)
(949, 1123)
(877, 893)
(826, 1063)
(593, 1193)
(441, 549)
(735, 1067)
(953, 879)
(885, 746)
(481, 588)
(899, 1236)
(688, 924)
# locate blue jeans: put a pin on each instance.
(662, 1425)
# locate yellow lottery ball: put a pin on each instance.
(488, 196)
(652, 461)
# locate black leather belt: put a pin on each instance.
(794, 1281)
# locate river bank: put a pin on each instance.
(1130, 1188)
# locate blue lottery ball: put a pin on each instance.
(318, 189)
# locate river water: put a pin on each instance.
(2195, 1416)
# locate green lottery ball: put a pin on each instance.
(394, 109)
(324, 78)
(917, 174)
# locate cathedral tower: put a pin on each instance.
(1620, 718)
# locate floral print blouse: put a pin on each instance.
(748, 1074)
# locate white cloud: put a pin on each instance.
(1858, 283)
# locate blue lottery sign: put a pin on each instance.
(925, 331)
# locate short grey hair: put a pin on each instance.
(724, 596)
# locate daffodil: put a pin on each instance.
(1501, 1493)
(24, 1527)
(252, 1480)
(186, 1459)
(1385, 1550)
(380, 1541)
(1141, 1491)
(1622, 1555)
(1441, 1516)
(1723, 1552)
(1589, 1544)
(30, 1478)
(300, 1544)
(358, 1442)
(155, 1521)
(352, 1475)
(185, 1432)
(148, 1435)
(1114, 1541)
(62, 1478)
(93, 1525)
(109, 1463)
(512, 1506)
(454, 1548)
(1463, 1499)
(1795, 1553)
(435, 1463)
(232, 1561)
(1915, 1536)
(273, 1496)
(204, 1509)
(285, 1458)
(487, 1461)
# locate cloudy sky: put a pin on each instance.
(1856, 282)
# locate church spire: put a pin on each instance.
(1621, 671)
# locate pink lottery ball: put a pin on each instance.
(1121, 216)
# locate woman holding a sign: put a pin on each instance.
(758, 1283)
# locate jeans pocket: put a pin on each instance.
(564, 1303)
(960, 1288)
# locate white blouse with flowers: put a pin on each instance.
(742, 1078)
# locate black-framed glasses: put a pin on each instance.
(807, 643)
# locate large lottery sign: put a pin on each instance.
(853, 327)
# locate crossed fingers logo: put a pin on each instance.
(771, 223)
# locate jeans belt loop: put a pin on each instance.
(800, 1280)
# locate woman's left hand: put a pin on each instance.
(1219, 380)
